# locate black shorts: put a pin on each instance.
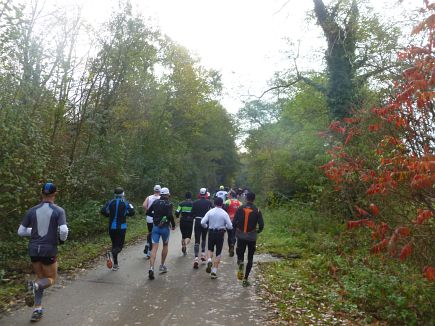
(43, 260)
(216, 238)
(186, 228)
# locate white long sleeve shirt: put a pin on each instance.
(217, 219)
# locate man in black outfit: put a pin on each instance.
(245, 222)
(199, 208)
(186, 221)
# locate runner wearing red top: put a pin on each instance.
(231, 206)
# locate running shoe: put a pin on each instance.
(213, 275)
(240, 273)
(195, 263)
(146, 249)
(109, 262)
(246, 283)
(36, 315)
(151, 274)
(203, 258)
(148, 256)
(115, 267)
(231, 251)
(209, 265)
(30, 294)
(184, 250)
(163, 269)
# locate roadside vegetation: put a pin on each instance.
(327, 275)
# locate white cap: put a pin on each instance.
(164, 191)
(202, 191)
(157, 188)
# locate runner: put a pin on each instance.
(217, 220)
(117, 211)
(231, 206)
(40, 224)
(247, 217)
(161, 212)
(199, 208)
(222, 193)
(186, 221)
(146, 205)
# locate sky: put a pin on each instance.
(247, 41)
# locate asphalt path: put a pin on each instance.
(183, 296)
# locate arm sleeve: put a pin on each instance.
(226, 205)
(171, 216)
(63, 232)
(24, 232)
(130, 210)
(193, 212)
(105, 209)
(61, 218)
(26, 222)
(150, 211)
(177, 211)
(260, 221)
(204, 221)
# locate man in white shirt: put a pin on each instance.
(146, 205)
(217, 221)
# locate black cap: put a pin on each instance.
(48, 188)
(119, 191)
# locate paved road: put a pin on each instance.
(183, 296)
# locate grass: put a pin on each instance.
(335, 280)
(72, 255)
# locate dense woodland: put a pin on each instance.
(353, 140)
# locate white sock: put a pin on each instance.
(214, 270)
(209, 260)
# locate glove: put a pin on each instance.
(259, 231)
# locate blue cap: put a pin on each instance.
(48, 188)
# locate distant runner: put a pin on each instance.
(222, 193)
(247, 217)
(186, 221)
(161, 211)
(231, 206)
(117, 211)
(217, 221)
(146, 205)
(199, 209)
(41, 224)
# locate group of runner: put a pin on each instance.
(46, 226)
(242, 222)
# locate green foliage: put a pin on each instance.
(336, 272)
(284, 152)
(139, 110)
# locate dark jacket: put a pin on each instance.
(159, 209)
(117, 211)
(245, 222)
(200, 207)
(185, 210)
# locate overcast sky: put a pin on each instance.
(246, 40)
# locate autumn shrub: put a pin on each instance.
(334, 266)
(382, 163)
